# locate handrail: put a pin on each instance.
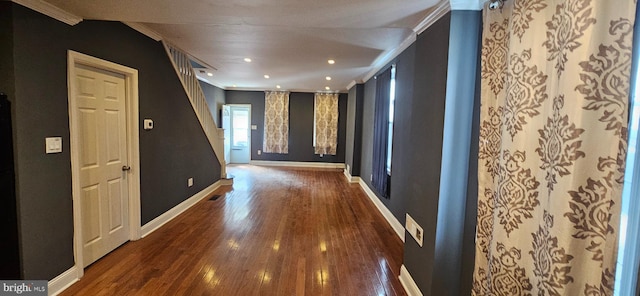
(182, 64)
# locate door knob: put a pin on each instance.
(126, 168)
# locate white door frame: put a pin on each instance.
(250, 123)
(133, 147)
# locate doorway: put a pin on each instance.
(103, 115)
(240, 133)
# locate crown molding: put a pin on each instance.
(383, 60)
(50, 10)
(467, 4)
(438, 12)
(353, 83)
(144, 30)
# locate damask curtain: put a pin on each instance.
(326, 123)
(553, 139)
(276, 122)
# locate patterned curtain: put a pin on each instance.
(326, 123)
(276, 122)
(555, 94)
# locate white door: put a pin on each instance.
(240, 134)
(102, 157)
(226, 126)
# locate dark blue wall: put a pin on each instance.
(300, 126)
(215, 99)
(425, 151)
(176, 149)
(402, 137)
(353, 157)
(433, 75)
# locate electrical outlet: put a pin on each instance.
(414, 229)
(190, 182)
(259, 152)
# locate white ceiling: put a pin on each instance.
(290, 40)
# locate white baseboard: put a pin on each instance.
(408, 283)
(63, 281)
(351, 179)
(177, 210)
(299, 164)
(226, 182)
(395, 224)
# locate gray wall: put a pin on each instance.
(215, 99)
(300, 126)
(429, 95)
(402, 136)
(443, 265)
(173, 151)
(462, 74)
(353, 151)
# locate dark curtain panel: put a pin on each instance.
(380, 180)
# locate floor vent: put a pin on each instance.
(215, 197)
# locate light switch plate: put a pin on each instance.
(53, 145)
(148, 124)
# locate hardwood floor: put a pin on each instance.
(278, 231)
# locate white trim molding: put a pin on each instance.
(351, 179)
(408, 283)
(438, 12)
(388, 56)
(353, 83)
(63, 281)
(391, 219)
(144, 30)
(132, 149)
(169, 215)
(298, 164)
(50, 10)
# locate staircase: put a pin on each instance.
(182, 65)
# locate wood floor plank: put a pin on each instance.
(277, 231)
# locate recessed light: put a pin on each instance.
(266, 76)
(209, 74)
(328, 78)
(327, 88)
(278, 86)
(234, 85)
(331, 62)
(248, 60)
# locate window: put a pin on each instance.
(629, 241)
(392, 100)
(240, 128)
(629, 237)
